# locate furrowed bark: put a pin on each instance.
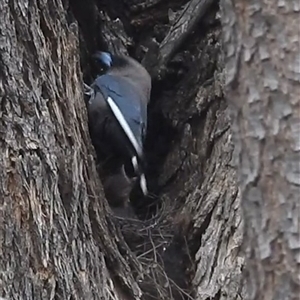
(56, 236)
(263, 87)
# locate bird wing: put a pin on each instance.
(126, 105)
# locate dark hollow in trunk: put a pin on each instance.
(184, 244)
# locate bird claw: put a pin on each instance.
(87, 89)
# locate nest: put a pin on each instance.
(153, 243)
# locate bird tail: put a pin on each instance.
(139, 171)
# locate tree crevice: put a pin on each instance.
(83, 250)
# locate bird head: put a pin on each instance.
(105, 58)
(112, 61)
(125, 66)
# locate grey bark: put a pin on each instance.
(263, 87)
(58, 237)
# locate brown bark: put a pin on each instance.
(58, 239)
(263, 87)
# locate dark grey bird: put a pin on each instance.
(117, 187)
(117, 112)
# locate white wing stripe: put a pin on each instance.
(118, 114)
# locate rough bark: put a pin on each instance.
(58, 239)
(263, 86)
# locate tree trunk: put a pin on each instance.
(263, 86)
(59, 239)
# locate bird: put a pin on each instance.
(117, 187)
(117, 113)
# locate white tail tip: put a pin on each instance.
(143, 185)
